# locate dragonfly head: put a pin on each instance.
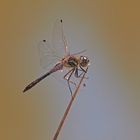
(84, 61)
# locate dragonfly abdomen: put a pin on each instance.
(57, 67)
(36, 81)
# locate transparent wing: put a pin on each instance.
(53, 50)
(59, 41)
(47, 54)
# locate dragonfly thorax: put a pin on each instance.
(71, 61)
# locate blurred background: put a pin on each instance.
(108, 108)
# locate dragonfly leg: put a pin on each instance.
(77, 75)
(68, 79)
(80, 75)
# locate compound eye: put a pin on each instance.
(84, 61)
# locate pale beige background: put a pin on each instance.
(108, 108)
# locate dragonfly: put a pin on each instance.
(75, 63)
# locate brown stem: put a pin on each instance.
(68, 107)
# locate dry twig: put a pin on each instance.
(68, 107)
